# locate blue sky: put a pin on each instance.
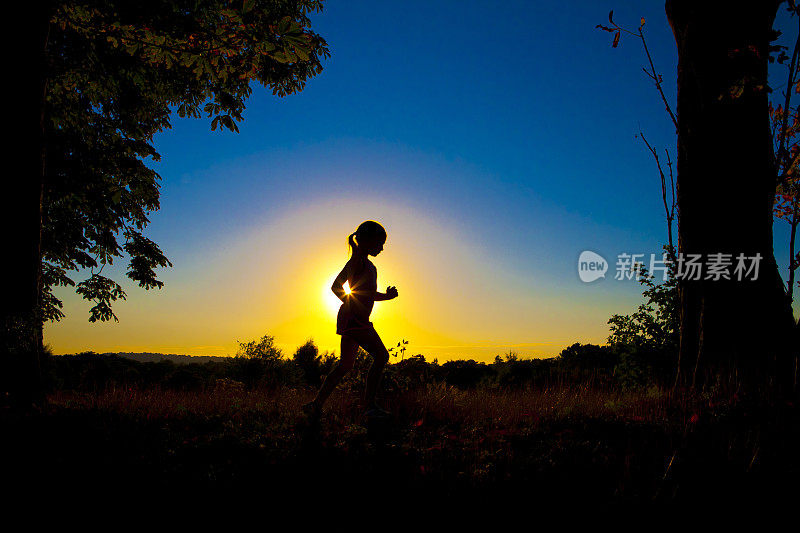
(518, 120)
(509, 126)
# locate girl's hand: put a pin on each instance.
(391, 292)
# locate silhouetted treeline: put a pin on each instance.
(178, 359)
(260, 365)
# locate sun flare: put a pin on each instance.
(332, 302)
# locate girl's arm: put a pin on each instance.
(338, 283)
(391, 292)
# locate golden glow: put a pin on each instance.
(346, 287)
(240, 289)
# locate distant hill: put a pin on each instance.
(178, 359)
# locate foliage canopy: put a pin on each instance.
(116, 71)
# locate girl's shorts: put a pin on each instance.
(347, 323)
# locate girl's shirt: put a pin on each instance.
(362, 278)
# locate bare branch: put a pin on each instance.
(657, 79)
(669, 210)
(671, 182)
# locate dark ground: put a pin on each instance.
(551, 446)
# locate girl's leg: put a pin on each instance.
(380, 356)
(348, 351)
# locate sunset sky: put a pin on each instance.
(494, 141)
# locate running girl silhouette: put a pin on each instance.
(353, 323)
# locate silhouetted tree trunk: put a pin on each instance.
(726, 185)
(22, 209)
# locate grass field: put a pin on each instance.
(557, 443)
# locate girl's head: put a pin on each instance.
(369, 238)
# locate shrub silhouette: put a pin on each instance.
(259, 363)
(313, 366)
(647, 340)
(465, 374)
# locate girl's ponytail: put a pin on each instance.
(351, 242)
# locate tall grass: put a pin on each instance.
(433, 403)
(553, 440)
